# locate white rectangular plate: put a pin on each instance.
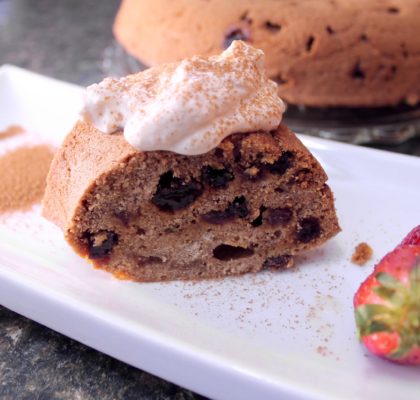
(272, 335)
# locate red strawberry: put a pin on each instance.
(413, 237)
(387, 306)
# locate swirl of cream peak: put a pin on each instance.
(188, 107)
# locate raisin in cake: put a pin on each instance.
(358, 53)
(163, 198)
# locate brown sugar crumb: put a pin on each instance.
(22, 177)
(362, 254)
(12, 130)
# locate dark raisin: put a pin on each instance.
(239, 32)
(237, 145)
(282, 164)
(218, 152)
(277, 262)
(259, 220)
(226, 252)
(257, 169)
(310, 43)
(174, 194)
(216, 178)
(217, 217)
(357, 72)
(280, 79)
(140, 231)
(309, 229)
(238, 207)
(279, 216)
(272, 27)
(330, 30)
(101, 243)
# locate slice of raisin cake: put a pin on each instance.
(183, 201)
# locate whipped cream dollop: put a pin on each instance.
(188, 107)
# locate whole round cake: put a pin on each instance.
(359, 53)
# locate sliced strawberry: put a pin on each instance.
(387, 307)
(413, 238)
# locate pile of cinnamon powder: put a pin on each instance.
(22, 177)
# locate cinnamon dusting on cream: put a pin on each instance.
(191, 106)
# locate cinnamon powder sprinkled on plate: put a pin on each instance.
(22, 177)
(12, 130)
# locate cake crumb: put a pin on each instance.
(10, 131)
(322, 350)
(22, 177)
(362, 254)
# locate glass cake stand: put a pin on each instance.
(388, 125)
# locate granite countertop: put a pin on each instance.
(66, 39)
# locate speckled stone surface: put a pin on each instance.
(66, 39)
(60, 38)
(37, 363)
